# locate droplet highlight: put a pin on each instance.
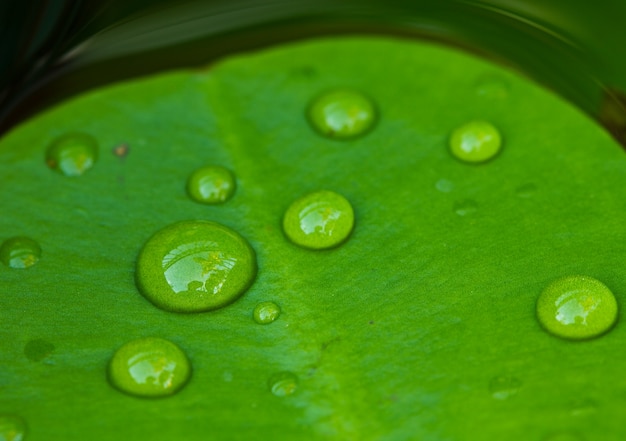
(466, 207)
(195, 266)
(283, 384)
(38, 349)
(266, 312)
(319, 220)
(211, 185)
(20, 252)
(12, 428)
(475, 142)
(149, 367)
(576, 308)
(504, 387)
(72, 154)
(342, 114)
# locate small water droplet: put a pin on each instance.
(563, 436)
(504, 387)
(227, 376)
(20, 252)
(283, 384)
(444, 186)
(211, 185)
(266, 312)
(526, 191)
(72, 154)
(581, 408)
(342, 114)
(466, 207)
(12, 428)
(195, 266)
(492, 86)
(38, 349)
(319, 220)
(577, 307)
(475, 142)
(149, 367)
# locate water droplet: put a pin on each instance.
(563, 436)
(12, 428)
(38, 349)
(342, 114)
(211, 185)
(149, 367)
(20, 252)
(283, 384)
(465, 208)
(266, 312)
(444, 186)
(526, 191)
(504, 387)
(475, 142)
(195, 266)
(577, 307)
(492, 86)
(227, 376)
(72, 154)
(319, 220)
(583, 407)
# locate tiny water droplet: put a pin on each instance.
(563, 436)
(12, 428)
(576, 308)
(283, 384)
(38, 349)
(526, 191)
(583, 407)
(211, 185)
(342, 114)
(444, 186)
(319, 220)
(504, 387)
(475, 142)
(149, 367)
(195, 266)
(72, 154)
(20, 252)
(227, 376)
(492, 86)
(465, 208)
(266, 312)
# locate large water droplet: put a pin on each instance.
(20, 252)
(149, 367)
(12, 428)
(38, 349)
(577, 307)
(475, 142)
(195, 266)
(266, 312)
(342, 114)
(504, 387)
(319, 220)
(211, 185)
(72, 154)
(283, 384)
(465, 208)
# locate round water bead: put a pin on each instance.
(20, 252)
(72, 154)
(12, 428)
(266, 312)
(475, 142)
(211, 185)
(342, 114)
(195, 266)
(577, 307)
(283, 384)
(319, 220)
(149, 367)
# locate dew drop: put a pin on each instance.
(504, 387)
(444, 186)
(475, 142)
(149, 367)
(38, 349)
(12, 428)
(266, 312)
(283, 384)
(492, 87)
(195, 266)
(526, 191)
(342, 114)
(576, 308)
(319, 220)
(72, 154)
(465, 208)
(20, 252)
(211, 185)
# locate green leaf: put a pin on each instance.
(421, 326)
